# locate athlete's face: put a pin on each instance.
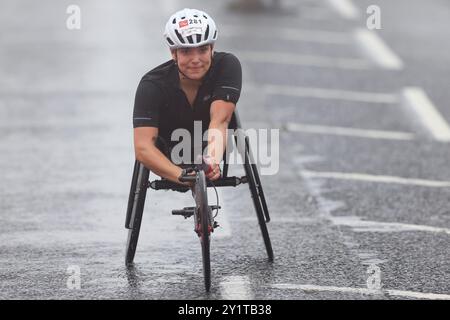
(193, 62)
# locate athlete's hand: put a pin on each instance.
(213, 169)
(185, 172)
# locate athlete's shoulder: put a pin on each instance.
(225, 64)
(153, 85)
(225, 57)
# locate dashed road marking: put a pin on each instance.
(377, 50)
(362, 291)
(236, 288)
(350, 132)
(328, 94)
(304, 60)
(345, 8)
(375, 178)
(312, 288)
(418, 295)
(359, 225)
(325, 208)
(290, 34)
(428, 114)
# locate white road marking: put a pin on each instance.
(345, 8)
(359, 225)
(377, 50)
(326, 207)
(427, 113)
(363, 291)
(418, 295)
(351, 132)
(290, 34)
(280, 219)
(326, 288)
(375, 178)
(328, 94)
(304, 60)
(236, 288)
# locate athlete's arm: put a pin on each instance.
(151, 157)
(220, 113)
(225, 96)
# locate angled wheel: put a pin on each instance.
(261, 195)
(259, 209)
(131, 194)
(135, 211)
(256, 190)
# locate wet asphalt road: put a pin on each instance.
(66, 156)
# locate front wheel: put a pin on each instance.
(204, 225)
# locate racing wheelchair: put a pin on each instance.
(203, 219)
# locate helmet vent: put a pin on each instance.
(174, 20)
(190, 40)
(179, 36)
(215, 35)
(170, 41)
(207, 32)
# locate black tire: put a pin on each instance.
(261, 192)
(136, 212)
(253, 186)
(131, 194)
(203, 213)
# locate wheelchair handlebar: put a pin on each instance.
(222, 182)
(188, 178)
(205, 165)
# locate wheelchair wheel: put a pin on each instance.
(259, 201)
(131, 194)
(261, 192)
(204, 224)
(136, 203)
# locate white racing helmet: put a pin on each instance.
(190, 28)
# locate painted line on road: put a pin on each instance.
(290, 34)
(350, 132)
(345, 8)
(375, 48)
(304, 60)
(236, 288)
(375, 178)
(312, 288)
(325, 208)
(359, 225)
(363, 291)
(418, 295)
(293, 219)
(417, 100)
(327, 94)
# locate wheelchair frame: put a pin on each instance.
(140, 184)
